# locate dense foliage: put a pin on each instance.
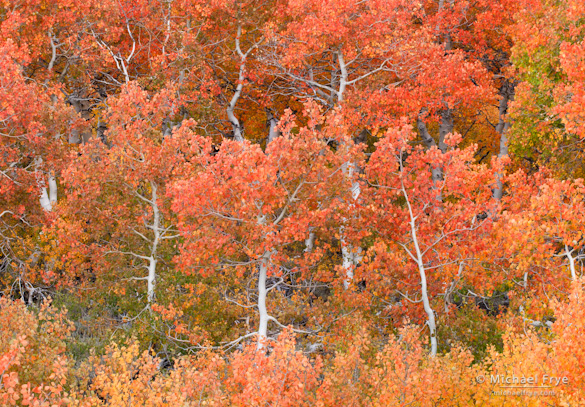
(290, 203)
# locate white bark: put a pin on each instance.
(343, 77)
(44, 200)
(423, 277)
(156, 228)
(502, 128)
(445, 128)
(310, 241)
(499, 190)
(347, 260)
(49, 197)
(52, 189)
(424, 132)
(569, 254)
(272, 130)
(452, 287)
(236, 125)
(262, 292)
(351, 256)
(53, 51)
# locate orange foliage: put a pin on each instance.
(33, 366)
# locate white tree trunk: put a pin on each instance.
(52, 189)
(350, 259)
(436, 172)
(48, 198)
(445, 128)
(310, 241)
(156, 228)
(423, 278)
(272, 130)
(236, 125)
(262, 292)
(351, 256)
(502, 128)
(343, 77)
(499, 190)
(44, 200)
(428, 310)
(569, 254)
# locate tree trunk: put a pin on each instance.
(236, 126)
(423, 278)
(262, 311)
(502, 128)
(351, 256)
(48, 199)
(445, 128)
(153, 253)
(569, 254)
(272, 130)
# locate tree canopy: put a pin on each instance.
(289, 203)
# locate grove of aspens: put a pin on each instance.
(330, 203)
